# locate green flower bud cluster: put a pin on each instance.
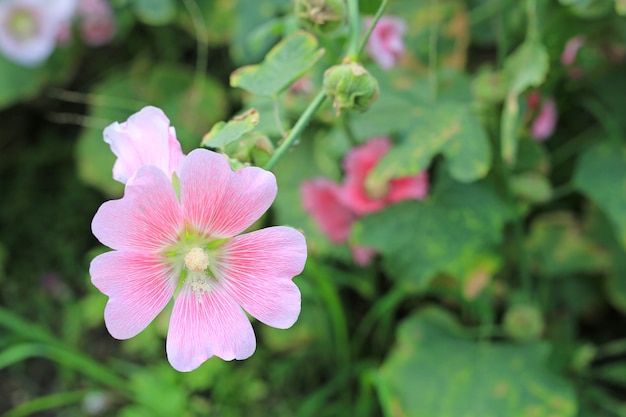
(350, 86)
(523, 322)
(321, 15)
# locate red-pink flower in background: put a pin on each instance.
(146, 138)
(386, 43)
(335, 207)
(159, 238)
(544, 115)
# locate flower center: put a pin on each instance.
(197, 260)
(22, 24)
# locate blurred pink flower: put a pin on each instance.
(335, 207)
(302, 85)
(358, 164)
(385, 45)
(97, 22)
(322, 199)
(29, 28)
(568, 57)
(545, 116)
(145, 139)
(160, 235)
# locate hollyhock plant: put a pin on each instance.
(386, 44)
(145, 139)
(29, 28)
(183, 243)
(335, 207)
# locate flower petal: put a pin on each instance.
(321, 198)
(257, 268)
(148, 217)
(357, 165)
(204, 324)
(139, 286)
(146, 138)
(220, 202)
(408, 188)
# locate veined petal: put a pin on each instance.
(139, 286)
(148, 217)
(220, 202)
(146, 138)
(257, 268)
(207, 323)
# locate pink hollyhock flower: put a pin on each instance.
(145, 139)
(29, 28)
(160, 237)
(322, 199)
(358, 164)
(97, 22)
(544, 122)
(385, 45)
(336, 207)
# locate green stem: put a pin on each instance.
(382, 307)
(46, 402)
(354, 21)
(432, 54)
(302, 122)
(377, 16)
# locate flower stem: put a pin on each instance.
(297, 130)
(355, 31)
(377, 17)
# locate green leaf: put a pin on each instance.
(192, 105)
(450, 129)
(558, 248)
(601, 175)
(223, 133)
(527, 66)
(448, 231)
(155, 12)
(434, 370)
(284, 63)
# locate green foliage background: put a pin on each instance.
(501, 294)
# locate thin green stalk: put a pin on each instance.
(354, 20)
(335, 309)
(66, 358)
(46, 403)
(382, 306)
(433, 54)
(377, 16)
(302, 122)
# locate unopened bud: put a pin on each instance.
(350, 86)
(523, 322)
(322, 15)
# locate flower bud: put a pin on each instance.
(322, 15)
(350, 86)
(523, 322)
(253, 148)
